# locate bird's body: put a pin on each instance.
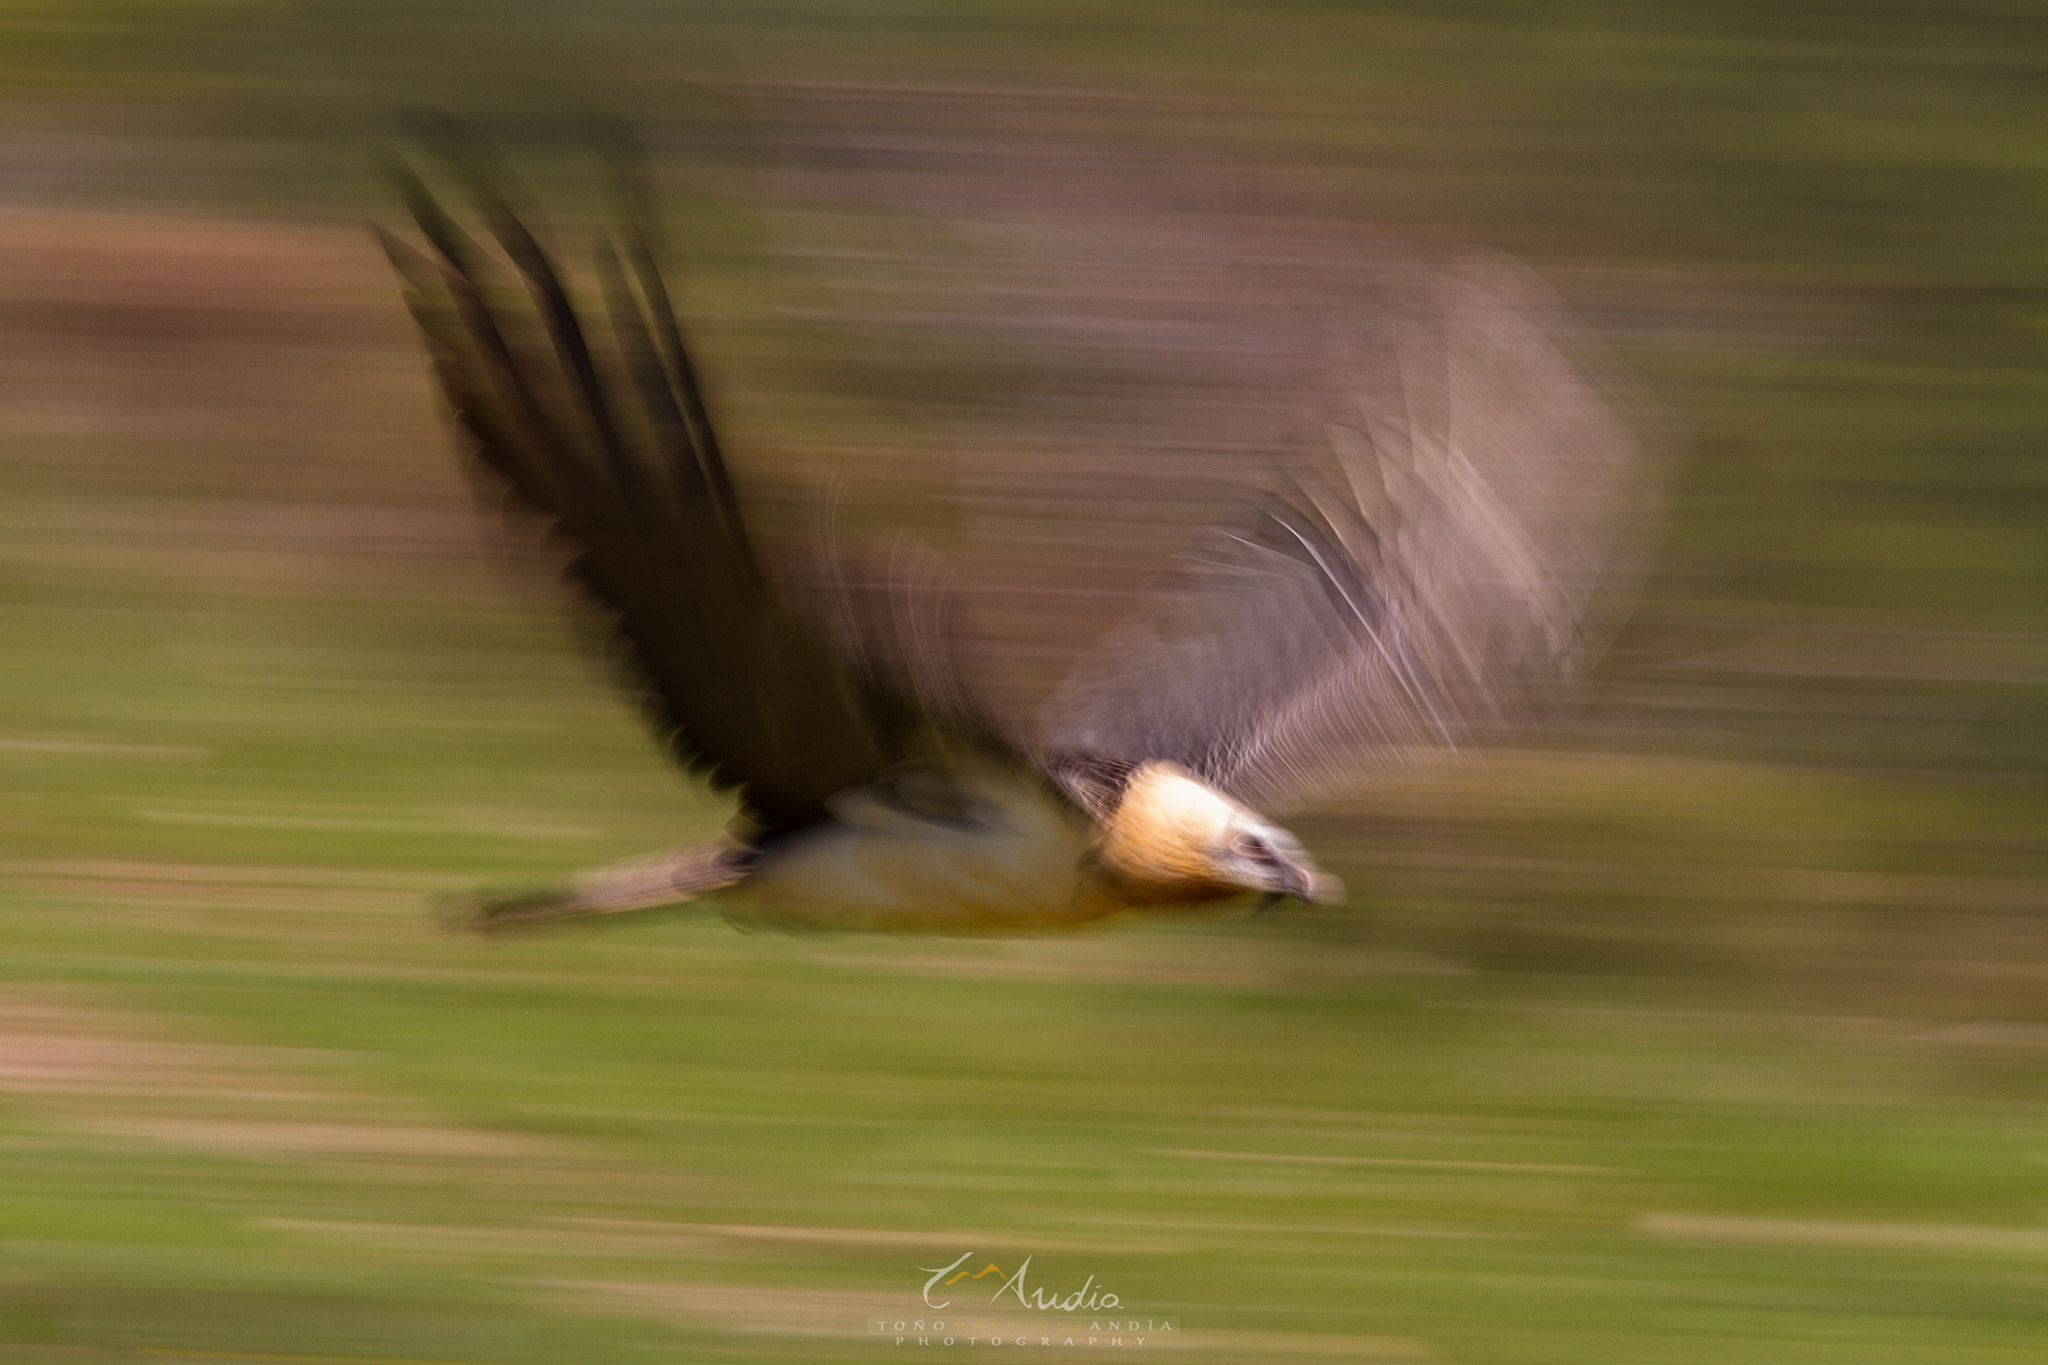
(972, 846)
(1448, 553)
(1011, 858)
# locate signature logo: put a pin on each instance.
(1090, 1295)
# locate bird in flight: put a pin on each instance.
(1450, 552)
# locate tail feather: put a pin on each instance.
(655, 881)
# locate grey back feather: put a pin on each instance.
(1458, 538)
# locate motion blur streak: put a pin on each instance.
(1705, 1022)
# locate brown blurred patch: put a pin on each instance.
(130, 1075)
(1265, 1345)
(156, 279)
(243, 1137)
(771, 1312)
(1821, 1233)
(180, 355)
(53, 1044)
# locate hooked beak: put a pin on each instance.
(1305, 883)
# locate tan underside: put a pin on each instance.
(1030, 864)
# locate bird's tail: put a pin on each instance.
(655, 881)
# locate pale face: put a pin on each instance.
(1262, 857)
(1174, 828)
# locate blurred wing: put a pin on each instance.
(608, 439)
(899, 617)
(1462, 538)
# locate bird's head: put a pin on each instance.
(1173, 837)
(1260, 856)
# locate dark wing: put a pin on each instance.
(608, 438)
(899, 617)
(1462, 537)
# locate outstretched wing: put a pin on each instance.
(1461, 538)
(605, 433)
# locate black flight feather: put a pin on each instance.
(608, 436)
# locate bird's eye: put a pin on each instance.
(1258, 850)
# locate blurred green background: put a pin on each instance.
(1710, 1027)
